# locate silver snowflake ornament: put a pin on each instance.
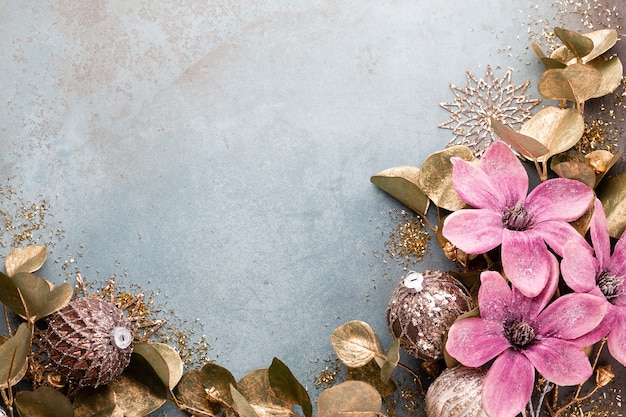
(481, 99)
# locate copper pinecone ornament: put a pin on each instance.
(89, 341)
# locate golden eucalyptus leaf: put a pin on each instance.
(26, 259)
(557, 129)
(612, 74)
(14, 357)
(602, 161)
(576, 43)
(402, 183)
(43, 402)
(255, 387)
(393, 357)
(576, 83)
(282, 380)
(582, 224)
(39, 295)
(435, 178)
(573, 165)
(549, 63)
(192, 388)
(165, 361)
(241, 404)
(612, 193)
(603, 40)
(525, 145)
(98, 402)
(350, 398)
(371, 373)
(355, 343)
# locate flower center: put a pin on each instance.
(610, 285)
(518, 333)
(516, 217)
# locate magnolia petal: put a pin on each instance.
(559, 199)
(474, 231)
(474, 186)
(475, 341)
(600, 235)
(526, 261)
(602, 330)
(617, 339)
(507, 172)
(578, 267)
(529, 308)
(508, 385)
(556, 234)
(617, 263)
(494, 297)
(571, 316)
(559, 361)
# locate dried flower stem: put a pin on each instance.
(416, 376)
(6, 320)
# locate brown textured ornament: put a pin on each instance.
(456, 392)
(89, 341)
(421, 310)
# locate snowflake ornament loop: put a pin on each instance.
(481, 99)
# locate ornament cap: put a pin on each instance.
(121, 337)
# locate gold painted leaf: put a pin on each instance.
(282, 380)
(525, 145)
(390, 363)
(43, 402)
(603, 40)
(350, 399)
(612, 193)
(14, 357)
(40, 296)
(576, 83)
(612, 74)
(557, 129)
(402, 183)
(99, 402)
(243, 407)
(576, 43)
(26, 259)
(573, 165)
(602, 161)
(355, 343)
(435, 178)
(191, 390)
(255, 387)
(371, 373)
(163, 359)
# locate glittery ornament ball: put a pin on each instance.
(89, 342)
(456, 392)
(422, 308)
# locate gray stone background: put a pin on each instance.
(218, 153)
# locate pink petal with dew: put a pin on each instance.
(529, 308)
(526, 261)
(602, 330)
(617, 263)
(600, 235)
(617, 338)
(571, 316)
(508, 385)
(474, 186)
(506, 171)
(494, 297)
(474, 341)
(473, 230)
(579, 267)
(559, 199)
(559, 361)
(556, 234)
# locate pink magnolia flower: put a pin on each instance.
(523, 336)
(603, 276)
(505, 215)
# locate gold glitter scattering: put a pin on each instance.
(327, 377)
(25, 222)
(608, 403)
(409, 242)
(481, 99)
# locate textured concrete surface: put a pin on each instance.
(219, 152)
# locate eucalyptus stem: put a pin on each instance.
(416, 376)
(6, 320)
